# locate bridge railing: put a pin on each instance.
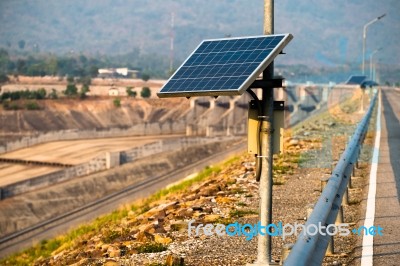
(310, 247)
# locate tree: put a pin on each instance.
(145, 77)
(93, 71)
(21, 66)
(4, 60)
(53, 94)
(32, 105)
(71, 90)
(146, 92)
(21, 44)
(130, 92)
(40, 94)
(3, 78)
(70, 79)
(15, 95)
(117, 102)
(86, 80)
(51, 65)
(85, 89)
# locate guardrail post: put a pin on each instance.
(358, 157)
(285, 252)
(345, 199)
(353, 174)
(310, 208)
(340, 216)
(324, 181)
(330, 250)
(333, 165)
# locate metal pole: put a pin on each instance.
(264, 252)
(365, 37)
(370, 69)
(371, 76)
(363, 55)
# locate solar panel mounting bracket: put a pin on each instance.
(267, 83)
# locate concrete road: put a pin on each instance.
(68, 152)
(386, 248)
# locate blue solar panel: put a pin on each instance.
(224, 66)
(357, 80)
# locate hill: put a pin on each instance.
(327, 33)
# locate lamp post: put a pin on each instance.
(371, 76)
(365, 37)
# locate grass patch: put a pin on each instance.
(110, 236)
(282, 168)
(278, 181)
(46, 247)
(241, 213)
(237, 191)
(224, 221)
(151, 248)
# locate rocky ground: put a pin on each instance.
(157, 233)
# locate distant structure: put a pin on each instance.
(113, 92)
(356, 80)
(118, 73)
(362, 81)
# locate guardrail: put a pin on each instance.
(310, 249)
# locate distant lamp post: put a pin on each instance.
(371, 74)
(365, 37)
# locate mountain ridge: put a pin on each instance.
(325, 33)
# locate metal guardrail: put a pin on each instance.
(310, 249)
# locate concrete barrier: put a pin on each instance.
(147, 129)
(104, 162)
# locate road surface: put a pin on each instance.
(387, 210)
(382, 203)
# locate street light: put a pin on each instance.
(370, 63)
(365, 37)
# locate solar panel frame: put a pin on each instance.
(241, 84)
(356, 79)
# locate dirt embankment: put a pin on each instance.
(100, 113)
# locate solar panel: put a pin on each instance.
(224, 66)
(358, 80)
(368, 83)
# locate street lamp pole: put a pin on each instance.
(371, 76)
(365, 37)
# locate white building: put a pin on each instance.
(118, 72)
